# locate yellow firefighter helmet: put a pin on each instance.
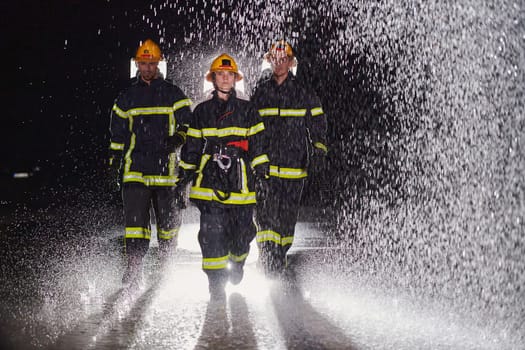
(280, 48)
(225, 63)
(149, 51)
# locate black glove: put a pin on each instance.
(262, 177)
(173, 142)
(113, 176)
(185, 177)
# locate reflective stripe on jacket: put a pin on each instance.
(142, 119)
(295, 124)
(224, 128)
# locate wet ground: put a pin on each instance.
(60, 289)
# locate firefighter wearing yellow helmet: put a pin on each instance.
(148, 124)
(149, 51)
(223, 63)
(296, 136)
(222, 152)
(280, 50)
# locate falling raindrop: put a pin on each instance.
(424, 206)
(424, 100)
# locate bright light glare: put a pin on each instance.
(188, 241)
(188, 238)
(254, 284)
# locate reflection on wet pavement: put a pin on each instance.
(66, 294)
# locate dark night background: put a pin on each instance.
(68, 60)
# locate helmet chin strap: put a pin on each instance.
(224, 91)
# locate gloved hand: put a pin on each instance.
(174, 141)
(185, 177)
(113, 176)
(262, 176)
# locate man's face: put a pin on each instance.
(148, 70)
(281, 63)
(224, 80)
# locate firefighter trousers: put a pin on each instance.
(224, 237)
(276, 217)
(138, 200)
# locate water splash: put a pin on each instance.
(426, 108)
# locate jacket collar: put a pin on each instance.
(154, 82)
(289, 80)
(233, 95)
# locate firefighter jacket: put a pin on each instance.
(142, 120)
(295, 124)
(224, 147)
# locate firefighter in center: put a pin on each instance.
(222, 156)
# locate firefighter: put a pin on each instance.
(148, 125)
(296, 136)
(221, 157)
